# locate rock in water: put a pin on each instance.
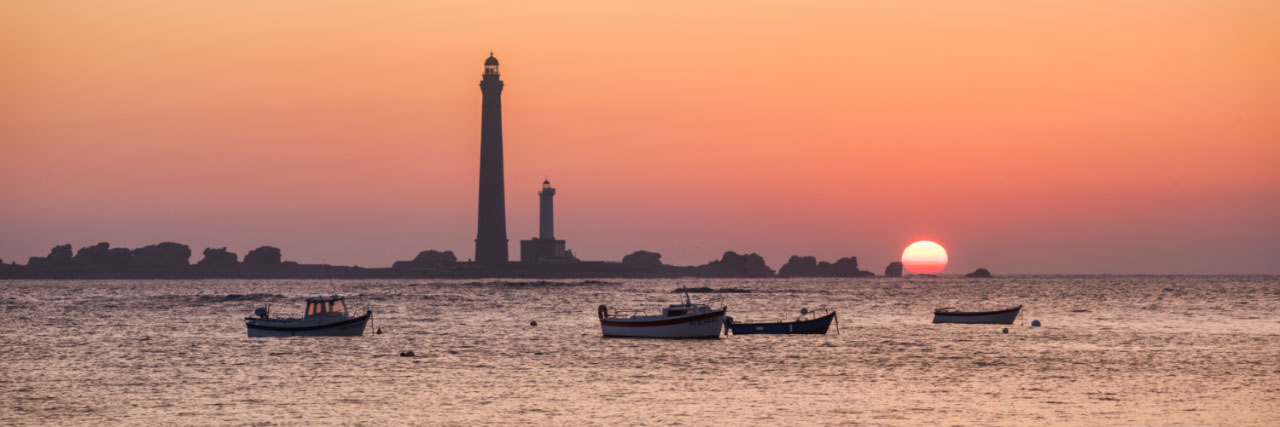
(979, 273)
(893, 270)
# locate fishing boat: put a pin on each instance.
(325, 317)
(809, 322)
(687, 320)
(999, 317)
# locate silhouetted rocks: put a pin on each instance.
(101, 260)
(166, 256)
(799, 266)
(979, 273)
(59, 258)
(807, 266)
(433, 256)
(428, 260)
(731, 265)
(643, 259)
(172, 260)
(893, 270)
(263, 257)
(219, 259)
(95, 255)
(102, 257)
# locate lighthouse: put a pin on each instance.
(491, 226)
(546, 212)
(545, 248)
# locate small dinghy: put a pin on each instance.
(809, 322)
(686, 320)
(325, 317)
(998, 317)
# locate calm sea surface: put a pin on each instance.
(1113, 350)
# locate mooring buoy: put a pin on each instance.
(1004, 331)
(1035, 323)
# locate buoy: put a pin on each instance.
(1035, 323)
(533, 323)
(407, 353)
(378, 332)
(1005, 330)
(804, 310)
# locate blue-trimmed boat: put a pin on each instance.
(810, 322)
(325, 317)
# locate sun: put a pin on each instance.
(924, 257)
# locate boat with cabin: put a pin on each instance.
(325, 317)
(996, 317)
(687, 320)
(809, 322)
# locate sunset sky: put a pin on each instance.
(1025, 137)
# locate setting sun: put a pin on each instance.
(924, 257)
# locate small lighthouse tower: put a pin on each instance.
(545, 248)
(546, 215)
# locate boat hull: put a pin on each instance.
(814, 326)
(999, 317)
(701, 325)
(268, 328)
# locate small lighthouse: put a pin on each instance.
(545, 248)
(546, 214)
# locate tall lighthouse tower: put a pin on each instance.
(491, 230)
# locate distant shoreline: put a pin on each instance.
(169, 260)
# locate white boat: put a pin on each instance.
(325, 317)
(999, 317)
(686, 320)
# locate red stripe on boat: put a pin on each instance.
(663, 322)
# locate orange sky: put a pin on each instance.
(1057, 137)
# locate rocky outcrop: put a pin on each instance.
(434, 257)
(893, 270)
(843, 267)
(799, 266)
(428, 260)
(731, 264)
(643, 259)
(808, 266)
(263, 257)
(979, 273)
(103, 257)
(219, 259)
(59, 258)
(166, 256)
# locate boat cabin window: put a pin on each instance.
(315, 308)
(321, 308)
(678, 312)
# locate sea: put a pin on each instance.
(1111, 350)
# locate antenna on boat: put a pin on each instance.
(332, 288)
(687, 301)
